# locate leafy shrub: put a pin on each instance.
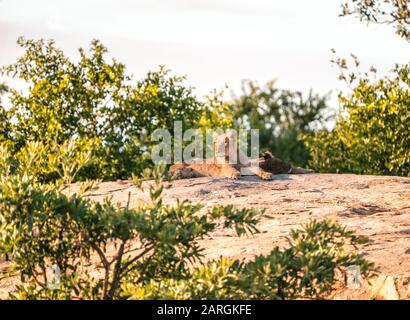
(372, 135)
(95, 99)
(42, 226)
(394, 13)
(58, 163)
(5, 125)
(306, 269)
(281, 116)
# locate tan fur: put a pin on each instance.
(194, 170)
(219, 165)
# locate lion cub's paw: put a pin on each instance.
(235, 175)
(266, 176)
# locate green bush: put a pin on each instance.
(281, 116)
(5, 125)
(93, 98)
(372, 135)
(306, 269)
(41, 226)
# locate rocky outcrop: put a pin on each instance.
(374, 206)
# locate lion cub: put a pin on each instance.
(228, 161)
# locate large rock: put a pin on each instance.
(375, 206)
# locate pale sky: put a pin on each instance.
(213, 42)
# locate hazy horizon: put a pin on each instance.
(212, 42)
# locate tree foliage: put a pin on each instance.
(5, 125)
(391, 12)
(281, 116)
(372, 134)
(306, 269)
(94, 98)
